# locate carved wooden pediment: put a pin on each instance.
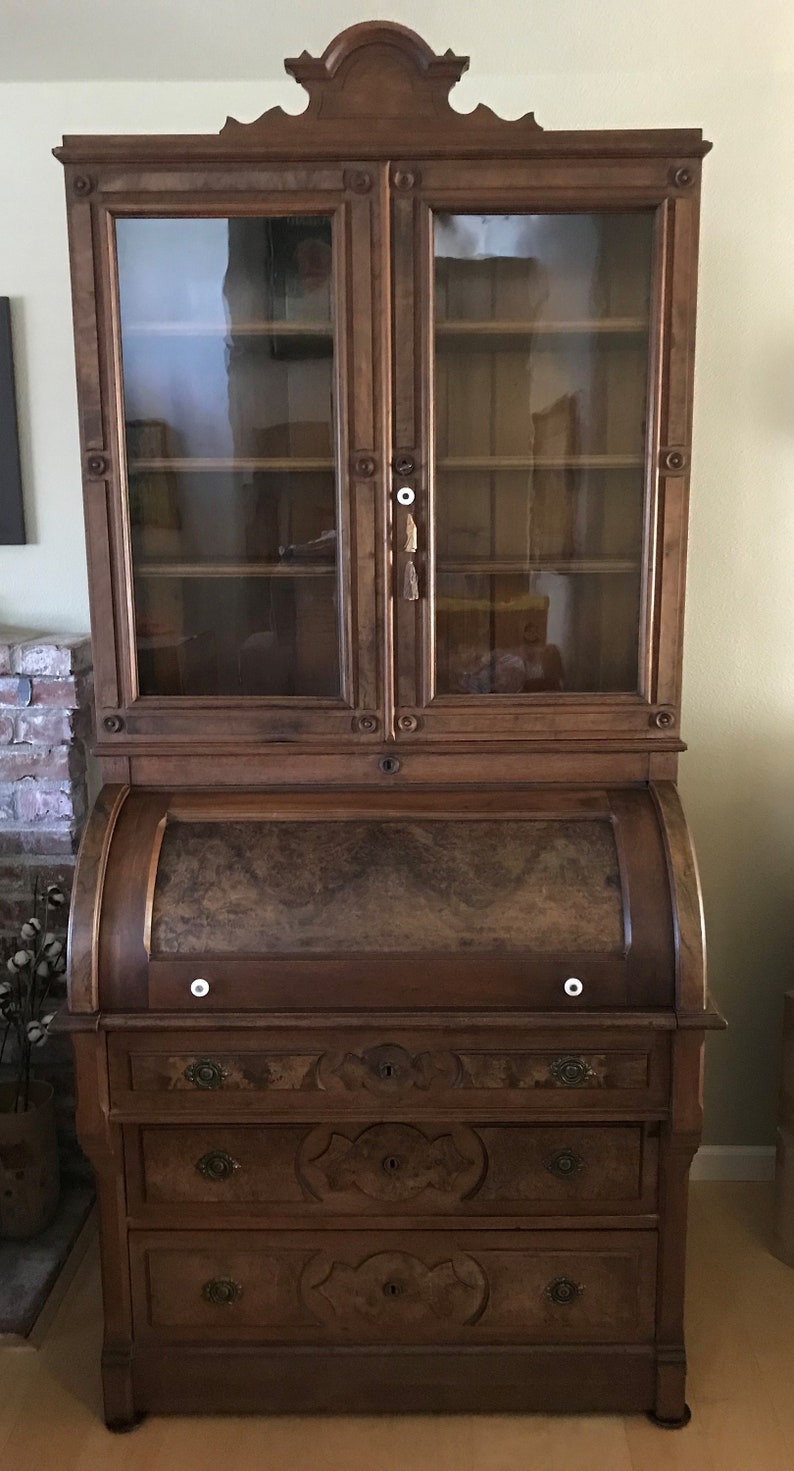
(380, 74)
(379, 91)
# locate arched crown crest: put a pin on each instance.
(381, 74)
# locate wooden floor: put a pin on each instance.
(741, 1354)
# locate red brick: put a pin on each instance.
(51, 840)
(10, 639)
(59, 763)
(69, 693)
(9, 691)
(74, 693)
(58, 654)
(39, 801)
(50, 727)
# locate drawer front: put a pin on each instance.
(307, 1074)
(396, 1169)
(395, 1287)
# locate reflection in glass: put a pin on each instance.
(541, 347)
(228, 355)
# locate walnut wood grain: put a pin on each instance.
(395, 1169)
(379, 86)
(405, 1075)
(264, 895)
(387, 1162)
(401, 1287)
(86, 902)
(353, 156)
(323, 886)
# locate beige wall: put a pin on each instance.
(727, 67)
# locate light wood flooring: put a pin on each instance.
(741, 1354)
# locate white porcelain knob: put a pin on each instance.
(573, 987)
(406, 496)
(199, 988)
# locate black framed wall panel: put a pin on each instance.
(12, 517)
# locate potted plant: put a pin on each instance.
(29, 1181)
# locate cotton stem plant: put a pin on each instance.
(34, 967)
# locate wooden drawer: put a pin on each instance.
(609, 1071)
(395, 1287)
(223, 1171)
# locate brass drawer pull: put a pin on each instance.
(564, 1164)
(571, 1072)
(205, 1073)
(563, 1291)
(217, 1165)
(221, 1291)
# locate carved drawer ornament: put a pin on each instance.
(391, 1162)
(396, 1288)
(390, 1069)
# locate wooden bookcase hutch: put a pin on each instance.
(387, 970)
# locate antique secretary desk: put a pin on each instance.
(387, 968)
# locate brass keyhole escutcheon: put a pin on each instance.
(222, 1291)
(564, 1164)
(387, 1070)
(392, 1289)
(217, 1165)
(205, 1073)
(391, 1164)
(570, 1072)
(564, 1291)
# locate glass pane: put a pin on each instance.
(541, 352)
(228, 356)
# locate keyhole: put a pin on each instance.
(391, 1289)
(391, 1163)
(386, 1070)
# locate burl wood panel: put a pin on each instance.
(386, 1167)
(396, 1287)
(286, 887)
(388, 1071)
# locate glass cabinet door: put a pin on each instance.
(540, 367)
(531, 542)
(234, 417)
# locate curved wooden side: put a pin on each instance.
(122, 954)
(89, 880)
(691, 992)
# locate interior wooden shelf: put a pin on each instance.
(185, 466)
(288, 570)
(512, 567)
(226, 329)
(542, 462)
(606, 326)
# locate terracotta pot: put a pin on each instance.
(29, 1178)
